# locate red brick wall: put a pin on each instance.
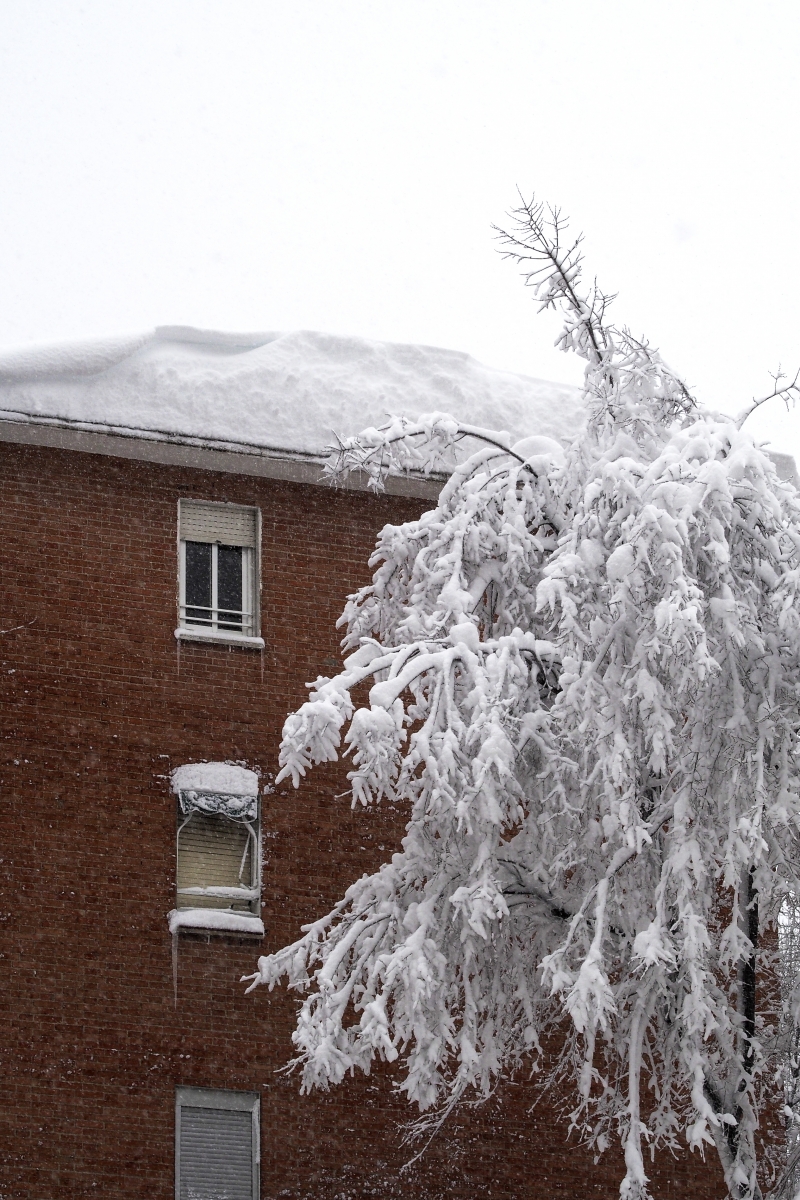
(97, 706)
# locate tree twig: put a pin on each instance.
(789, 392)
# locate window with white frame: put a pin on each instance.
(218, 844)
(216, 1144)
(218, 586)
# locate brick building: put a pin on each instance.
(172, 570)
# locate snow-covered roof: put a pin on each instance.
(279, 392)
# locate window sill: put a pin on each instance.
(218, 637)
(214, 920)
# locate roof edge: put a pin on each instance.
(196, 453)
(230, 456)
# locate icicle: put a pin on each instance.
(261, 653)
(178, 648)
(175, 965)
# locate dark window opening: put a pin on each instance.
(198, 583)
(229, 586)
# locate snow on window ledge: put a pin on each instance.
(218, 637)
(214, 919)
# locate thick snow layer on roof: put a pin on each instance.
(276, 391)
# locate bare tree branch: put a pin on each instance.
(789, 393)
(554, 273)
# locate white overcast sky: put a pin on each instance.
(251, 165)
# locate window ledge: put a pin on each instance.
(215, 920)
(218, 637)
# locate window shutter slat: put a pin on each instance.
(209, 855)
(216, 1154)
(223, 523)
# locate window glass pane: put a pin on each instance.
(198, 583)
(229, 586)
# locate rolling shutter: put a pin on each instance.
(217, 1146)
(210, 853)
(224, 523)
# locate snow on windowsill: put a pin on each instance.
(219, 637)
(215, 920)
(222, 893)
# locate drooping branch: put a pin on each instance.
(402, 445)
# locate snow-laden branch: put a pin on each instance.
(562, 718)
(429, 445)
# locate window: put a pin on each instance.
(218, 875)
(216, 1144)
(218, 589)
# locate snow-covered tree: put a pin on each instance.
(584, 671)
